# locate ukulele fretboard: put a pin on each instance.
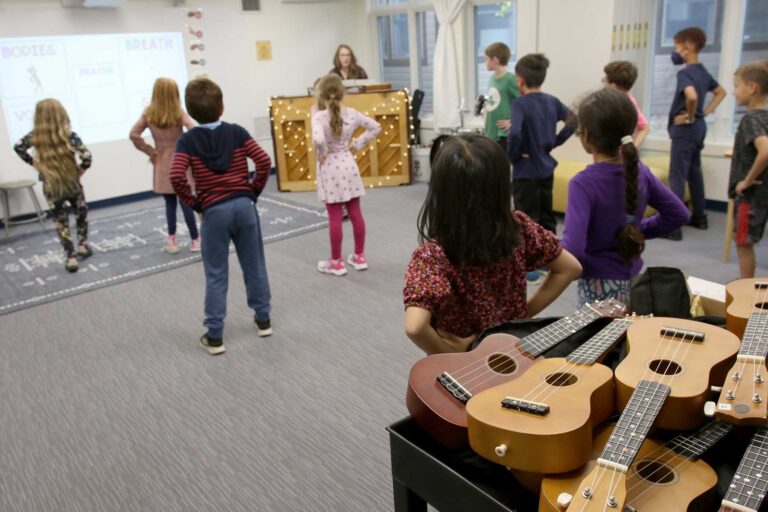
(693, 446)
(547, 337)
(635, 422)
(600, 343)
(755, 342)
(747, 490)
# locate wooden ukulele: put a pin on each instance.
(440, 385)
(743, 398)
(687, 356)
(666, 477)
(542, 422)
(750, 483)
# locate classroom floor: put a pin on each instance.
(109, 403)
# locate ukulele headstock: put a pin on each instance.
(610, 308)
(604, 489)
(743, 399)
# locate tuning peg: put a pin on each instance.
(756, 398)
(501, 450)
(716, 389)
(759, 379)
(730, 395)
(612, 503)
(709, 409)
(564, 500)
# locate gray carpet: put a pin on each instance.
(109, 404)
(126, 246)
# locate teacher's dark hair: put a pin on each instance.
(468, 208)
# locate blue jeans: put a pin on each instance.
(685, 167)
(234, 220)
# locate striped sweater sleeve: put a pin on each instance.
(263, 164)
(180, 164)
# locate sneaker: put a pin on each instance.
(533, 278)
(699, 222)
(194, 245)
(675, 236)
(264, 326)
(335, 267)
(171, 247)
(71, 265)
(84, 251)
(357, 261)
(212, 345)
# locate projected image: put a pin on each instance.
(104, 81)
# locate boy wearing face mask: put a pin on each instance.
(687, 127)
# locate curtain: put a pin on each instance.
(446, 71)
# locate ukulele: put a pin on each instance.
(664, 477)
(542, 422)
(743, 397)
(749, 485)
(440, 385)
(687, 356)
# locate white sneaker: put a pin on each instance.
(170, 246)
(357, 261)
(335, 267)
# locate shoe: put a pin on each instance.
(71, 265)
(194, 245)
(699, 222)
(357, 261)
(171, 247)
(335, 267)
(212, 345)
(675, 236)
(84, 251)
(534, 278)
(264, 326)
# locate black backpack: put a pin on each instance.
(660, 291)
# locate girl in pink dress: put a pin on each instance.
(338, 178)
(165, 119)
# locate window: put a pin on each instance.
(493, 23)
(383, 3)
(673, 16)
(394, 49)
(426, 35)
(754, 44)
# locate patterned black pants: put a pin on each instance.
(60, 214)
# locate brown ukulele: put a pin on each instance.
(750, 483)
(542, 422)
(440, 385)
(666, 477)
(687, 356)
(743, 397)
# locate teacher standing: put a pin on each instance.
(345, 64)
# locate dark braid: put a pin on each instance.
(607, 117)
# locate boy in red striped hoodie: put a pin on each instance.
(225, 198)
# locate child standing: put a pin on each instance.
(338, 178)
(747, 183)
(686, 126)
(621, 75)
(502, 91)
(165, 120)
(604, 224)
(468, 274)
(216, 151)
(55, 147)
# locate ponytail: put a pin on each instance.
(330, 92)
(334, 108)
(631, 239)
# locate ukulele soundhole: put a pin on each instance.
(762, 305)
(561, 379)
(665, 367)
(501, 363)
(655, 472)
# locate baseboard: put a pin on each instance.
(717, 206)
(112, 201)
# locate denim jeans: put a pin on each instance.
(238, 221)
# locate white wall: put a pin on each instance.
(303, 36)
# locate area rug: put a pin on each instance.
(126, 247)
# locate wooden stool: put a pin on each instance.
(5, 188)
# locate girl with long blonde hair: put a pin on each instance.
(166, 119)
(55, 146)
(339, 183)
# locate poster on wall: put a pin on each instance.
(103, 80)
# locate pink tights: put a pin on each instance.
(337, 232)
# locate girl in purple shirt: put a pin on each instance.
(604, 224)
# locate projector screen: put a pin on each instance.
(104, 81)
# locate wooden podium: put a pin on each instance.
(385, 163)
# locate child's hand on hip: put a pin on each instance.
(503, 124)
(743, 185)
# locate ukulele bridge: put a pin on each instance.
(761, 285)
(453, 386)
(516, 404)
(682, 334)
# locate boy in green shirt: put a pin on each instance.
(502, 90)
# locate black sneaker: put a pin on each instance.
(264, 326)
(84, 251)
(214, 346)
(676, 235)
(699, 222)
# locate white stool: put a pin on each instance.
(5, 188)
